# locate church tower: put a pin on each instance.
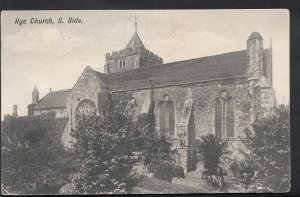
(35, 100)
(134, 56)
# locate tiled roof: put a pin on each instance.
(225, 65)
(54, 99)
(135, 42)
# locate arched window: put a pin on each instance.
(86, 107)
(230, 117)
(218, 117)
(166, 113)
(224, 115)
(131, 106)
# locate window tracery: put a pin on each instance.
(85, 108)
(224, 115)
(166, 110)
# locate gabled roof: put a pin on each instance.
(135, 42)
(54, 99)
(227, 65)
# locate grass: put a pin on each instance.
(150, 185)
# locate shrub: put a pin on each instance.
(244, 170)
(152, 166)
(146, 160)
(33, 159)
(178, 172)
(164, 171)
(212, 151)
(268, 144)
(107, 148)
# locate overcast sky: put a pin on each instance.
(54, 55)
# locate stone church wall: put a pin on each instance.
(204, 95)
(87, 87)
(201, 120)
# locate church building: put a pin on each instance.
(220, 94)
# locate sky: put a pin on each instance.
(55, 55)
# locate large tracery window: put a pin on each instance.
(85, 108)
(224, 115)
(166, 111)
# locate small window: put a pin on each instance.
(166, 116)
(122, 63)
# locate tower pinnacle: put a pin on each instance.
(135, 22)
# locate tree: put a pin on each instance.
(107, 149)
(268, 145)
(212, 151)
(32, 155)
(152, 145)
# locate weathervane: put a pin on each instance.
(135, 22)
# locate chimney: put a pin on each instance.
(15, 112)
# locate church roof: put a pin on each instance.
(227, 65)
(223, 66)
(54, 99)
(135, 42)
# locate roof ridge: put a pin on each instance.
(60, 90)
(167, 64)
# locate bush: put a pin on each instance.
(212, 150)
(152, 166)
(178, 172)
(33, 159)
(107, 148)
(268, 144)
(243, 170)
(146, 160)
(164, 171)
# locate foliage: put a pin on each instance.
(164, 171)
(212, 151)
(246, 166)
(178, 172)
(152, 145)
(268, 145)
(152, 166)
(107, 148)
(146, 160)
(33, 160)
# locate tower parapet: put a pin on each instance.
(134, 56)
